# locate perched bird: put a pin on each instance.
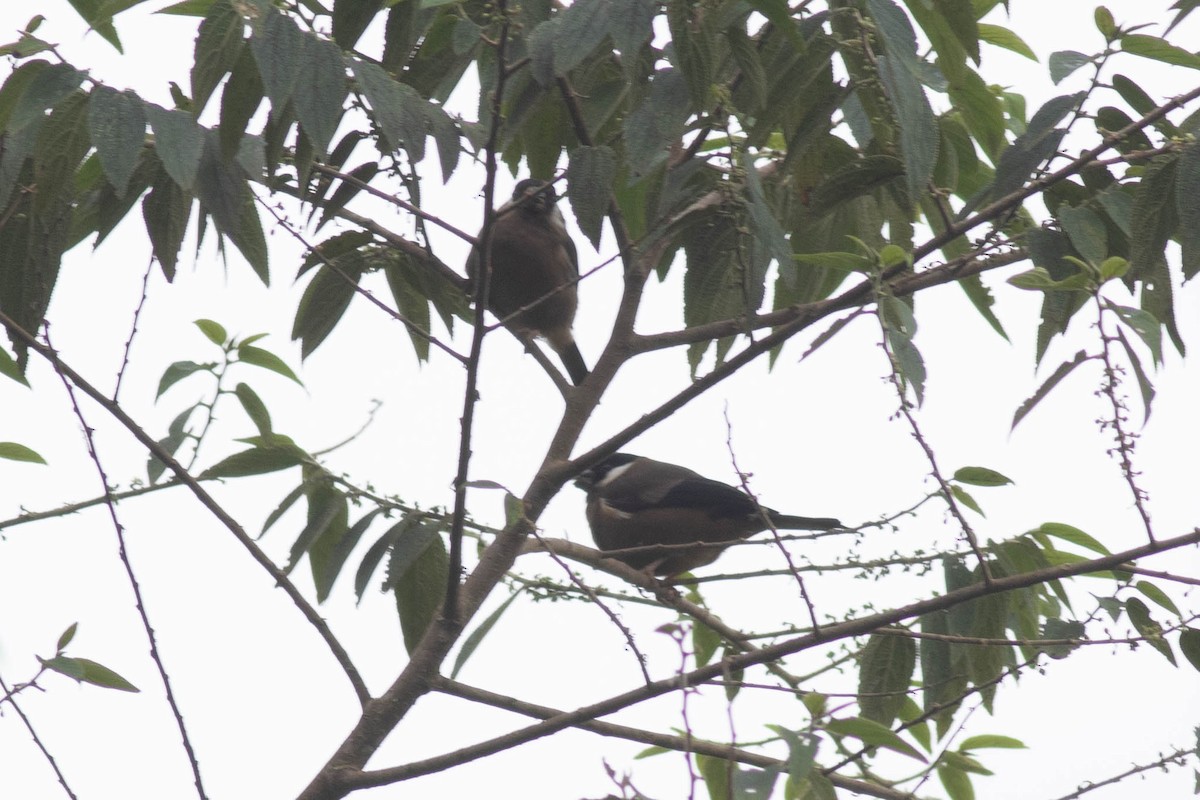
(534, 262)
(638, 502)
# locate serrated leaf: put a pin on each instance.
(1056, 628)
(472, 641)
(1048, 385)
(872, 733)
(1086, 231)
(397, 108)
(218, 43)
(286, 503)
(919, 138)
(884, 674)
(320, 91)
(267, 360)
(47, 85)
(240, 99)
(179, 142)
(325, 300)
(1144, 385)
(177, 372)
(590, 175)
(582, 27)
(13, 451)
(980, 476)
(226, 196)
(278, 46)
(117, 121)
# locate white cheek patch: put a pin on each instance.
(613, 474)
(605, 508)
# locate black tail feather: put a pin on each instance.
(573, 360)
(803, 523)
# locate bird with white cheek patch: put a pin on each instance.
(677, 518)
(534, 272)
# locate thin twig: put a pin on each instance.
(279, 576)
(133, 329)
(123, 555)
(62, 779)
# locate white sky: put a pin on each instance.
(265, 702)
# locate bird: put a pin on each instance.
(679, 518)
(534, 263)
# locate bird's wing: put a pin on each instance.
(686, 491)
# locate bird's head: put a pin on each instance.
(592, 476)
(541, 198)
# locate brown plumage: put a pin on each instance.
(532, 256)
(681, 519)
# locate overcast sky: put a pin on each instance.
(265, 702)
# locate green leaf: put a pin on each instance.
(213, 331)
(320, 91)
(657, 123)
(590, 175)
(340, 552)
(802, 751)
(218, 44)
(872, 733)
(990, 740)
(397, 108)
(919, 138)
(255, 461)
(1158, 596)
(1056, 628)
(278, 46)
(1086, 232)
(1144, 384)
(265, 359)
(1187, 205)
(84, 670)
(1003, 37)
(254, 407)
(705, 642)
(10, 369)
(240, 99)
(964, 497)
(165, 210)
(956, 782)
(1064, 62)
(1069, 533)
(1143, 324)
(471, 643)
(884, 674)
(582, 27)
(41, 86)
(178, 143)
(19, 452)
(117, 121)
(66, 636)
(351, 18)
(1064, 369)
(177, 372)
(1158, 49)
(980, 476)
(420, 588)
(1139, 615)
(325, 301)
(717, 774)
(222, 188)
(1189, 645)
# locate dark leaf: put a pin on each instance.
(1064, 62)
(256, 461)
(590, 174)
(118, 126)
(351, 18)
(279, 47)
(240, 99)
(472, 641)
(582, 27)
(320, 90)
(226, 196)
(178, 143)
(218, 43)
(419, 589)
(884, 673)
(1061, 372)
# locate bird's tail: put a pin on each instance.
(573, 360)
(790, 522)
